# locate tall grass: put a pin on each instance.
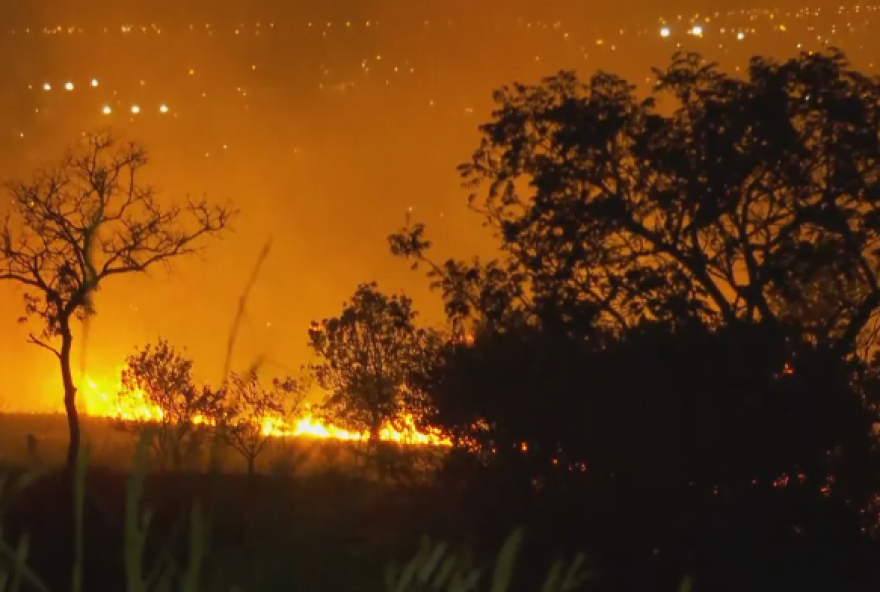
(435, 567)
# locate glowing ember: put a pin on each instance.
(101, 401)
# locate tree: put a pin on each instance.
(755, 200)
(678, 296)
(84, 221)
(252, 411)
(366, 357)
(658, 404)
(174, 409)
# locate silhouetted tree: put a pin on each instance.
(756, 199)
(252, 412)
(658, 404)
(157, 383)
(79, 223)
(366, 356)
(679, 296)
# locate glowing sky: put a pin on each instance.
(324, 125)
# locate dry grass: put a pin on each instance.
(180, 563)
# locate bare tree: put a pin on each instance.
(175, 408)
(252, 409)
(82, 221)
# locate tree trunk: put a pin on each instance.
(251, 465)
(374, 448)
(69, 396)
(373, 442)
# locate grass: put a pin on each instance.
(436, 567)
(318, 526)
(114, 449)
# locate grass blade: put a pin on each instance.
(79, 494)
(431, 563)
(687, 584)
(134, 537)
(20, 562)
(506, 561)
(196, 551)
(551, 584)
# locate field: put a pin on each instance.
(309, 511)
(113, 448)
(314, 519)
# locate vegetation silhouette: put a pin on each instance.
(81, 222)
(365, 358)
(249, 405)
(671, 363)
(754, 200)
(680, 319)
(169, 405)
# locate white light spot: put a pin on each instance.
(135, 109)
(107, 110)
(47, 86)
(697, 30)
(94, 82)
(665, 32)
(163, 108)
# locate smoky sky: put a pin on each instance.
(327, 124)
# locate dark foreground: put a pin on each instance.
(335, 531)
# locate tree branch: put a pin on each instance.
(33, 340)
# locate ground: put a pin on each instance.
(323, 525)
(113, 448)
(308, 510)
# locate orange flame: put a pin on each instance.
(105, 402)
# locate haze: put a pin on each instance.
(326, 126)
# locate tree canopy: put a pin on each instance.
(174, 404)
(680, 287)
(755, 199)
(366, 356)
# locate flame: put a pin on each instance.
(103, 401)
(96, 401)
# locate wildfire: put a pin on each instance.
(101, 401)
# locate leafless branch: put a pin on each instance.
(32, 339)
(88, 218)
